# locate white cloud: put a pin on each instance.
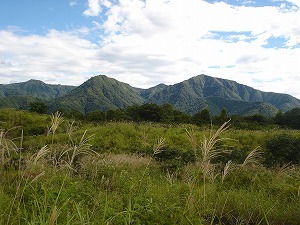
(149, 42)
(179, 40)
(58, 57)
(95, 7)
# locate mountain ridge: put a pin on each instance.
(35, 88)
(192, 95)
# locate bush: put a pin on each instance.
(282, 149)
(173, 159)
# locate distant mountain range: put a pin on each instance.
(190, 96)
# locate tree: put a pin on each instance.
(278, 119)
(96, 116)
(147, 112)
(291, 118)
(257, 118)
(202, 117)
(282, 149)
(39, 107)
(71, 113)
(167, 113)
(222, 117)
(181, 117)
(117, 115)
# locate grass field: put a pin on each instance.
(57, 171)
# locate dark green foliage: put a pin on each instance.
(181, 117)
(256, 118)
(202, 118)
(289, 119)
(278, 119)
(174, 159)
(73, 114)
(39, 107)
(146, 112)
(282, 149)
(221, 118)
(254, 122)
(156, 113)
(96, 116)
(117, 115)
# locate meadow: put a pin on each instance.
(57, 171)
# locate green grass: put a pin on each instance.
(122, 174)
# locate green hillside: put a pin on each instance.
(34, 88)
(203, 91)
(189, 96)
(17, 102)
(98, 93)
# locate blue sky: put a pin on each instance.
(146, 42)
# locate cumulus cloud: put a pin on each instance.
(95, 7)
(58, 56)
(149, 42)
(184, 32)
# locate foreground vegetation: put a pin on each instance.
(56, 171)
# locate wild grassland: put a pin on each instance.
(127, 173)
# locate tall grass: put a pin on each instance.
(56, 120)
(84, 186)
(253, 158)
(209, 150)
(9, 151)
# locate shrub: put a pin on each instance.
(173, 159)
(282, 149)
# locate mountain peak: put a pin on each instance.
(35, 81)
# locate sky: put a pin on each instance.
(147, 42)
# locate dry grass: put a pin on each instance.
(144, 139)
(54, 216)
(208, 150)
(226, 170)
(56, 120)
(41, 153)
(68, 155)
(8, 146)
(286, 170)
(253, 158)
(158, 145)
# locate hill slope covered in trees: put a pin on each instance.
(190, 96)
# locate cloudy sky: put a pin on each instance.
(147, 42)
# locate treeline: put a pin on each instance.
(167, 114)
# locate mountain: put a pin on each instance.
(204, 91)
(99, 93)
(34, 88)
(190, 96)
